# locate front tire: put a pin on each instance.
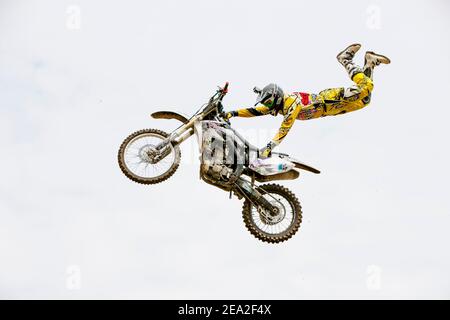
(148, 138)
(274, 231)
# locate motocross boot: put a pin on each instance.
(345, 58)
(371, 60)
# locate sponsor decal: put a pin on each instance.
(306, 114)
(304, 97)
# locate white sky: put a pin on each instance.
(68, 97)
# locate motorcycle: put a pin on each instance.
(271, 212)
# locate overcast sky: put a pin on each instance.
(76, 77)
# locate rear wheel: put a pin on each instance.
(271, 227)
(141, 162)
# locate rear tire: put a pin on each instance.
(147, 180)
(277, 191)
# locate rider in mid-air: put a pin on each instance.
(304, 106)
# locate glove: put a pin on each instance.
(267, 150)
(226, 115)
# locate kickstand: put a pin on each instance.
(253, 180)
(231, 193)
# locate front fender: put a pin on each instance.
(169, 115)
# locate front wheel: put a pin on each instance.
(142, 162)
(269, 227)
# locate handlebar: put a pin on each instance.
(225, 88)
(222, 91)
(215, 102)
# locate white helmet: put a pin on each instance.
(271, 96)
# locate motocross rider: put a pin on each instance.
(304, 106)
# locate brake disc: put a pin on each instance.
(272, 218)
(148, 153)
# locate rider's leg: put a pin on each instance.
(361, 91)
(371, 60)
(345, 58)
(363, 85)
(341, 100)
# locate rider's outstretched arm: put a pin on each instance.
(249, 112)
(286, 125)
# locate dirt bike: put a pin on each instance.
(271, 212)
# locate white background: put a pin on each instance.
(77, 77)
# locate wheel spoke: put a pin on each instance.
(284, 222)
(137, 150)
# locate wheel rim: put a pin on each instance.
(139, 157)
(279, 223)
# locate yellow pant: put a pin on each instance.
(334, 101)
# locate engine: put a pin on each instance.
(220, 154)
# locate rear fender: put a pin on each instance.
(298, 164)
(288, 175)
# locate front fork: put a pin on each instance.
(255, 196)
(175, 138)
(164, 148)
